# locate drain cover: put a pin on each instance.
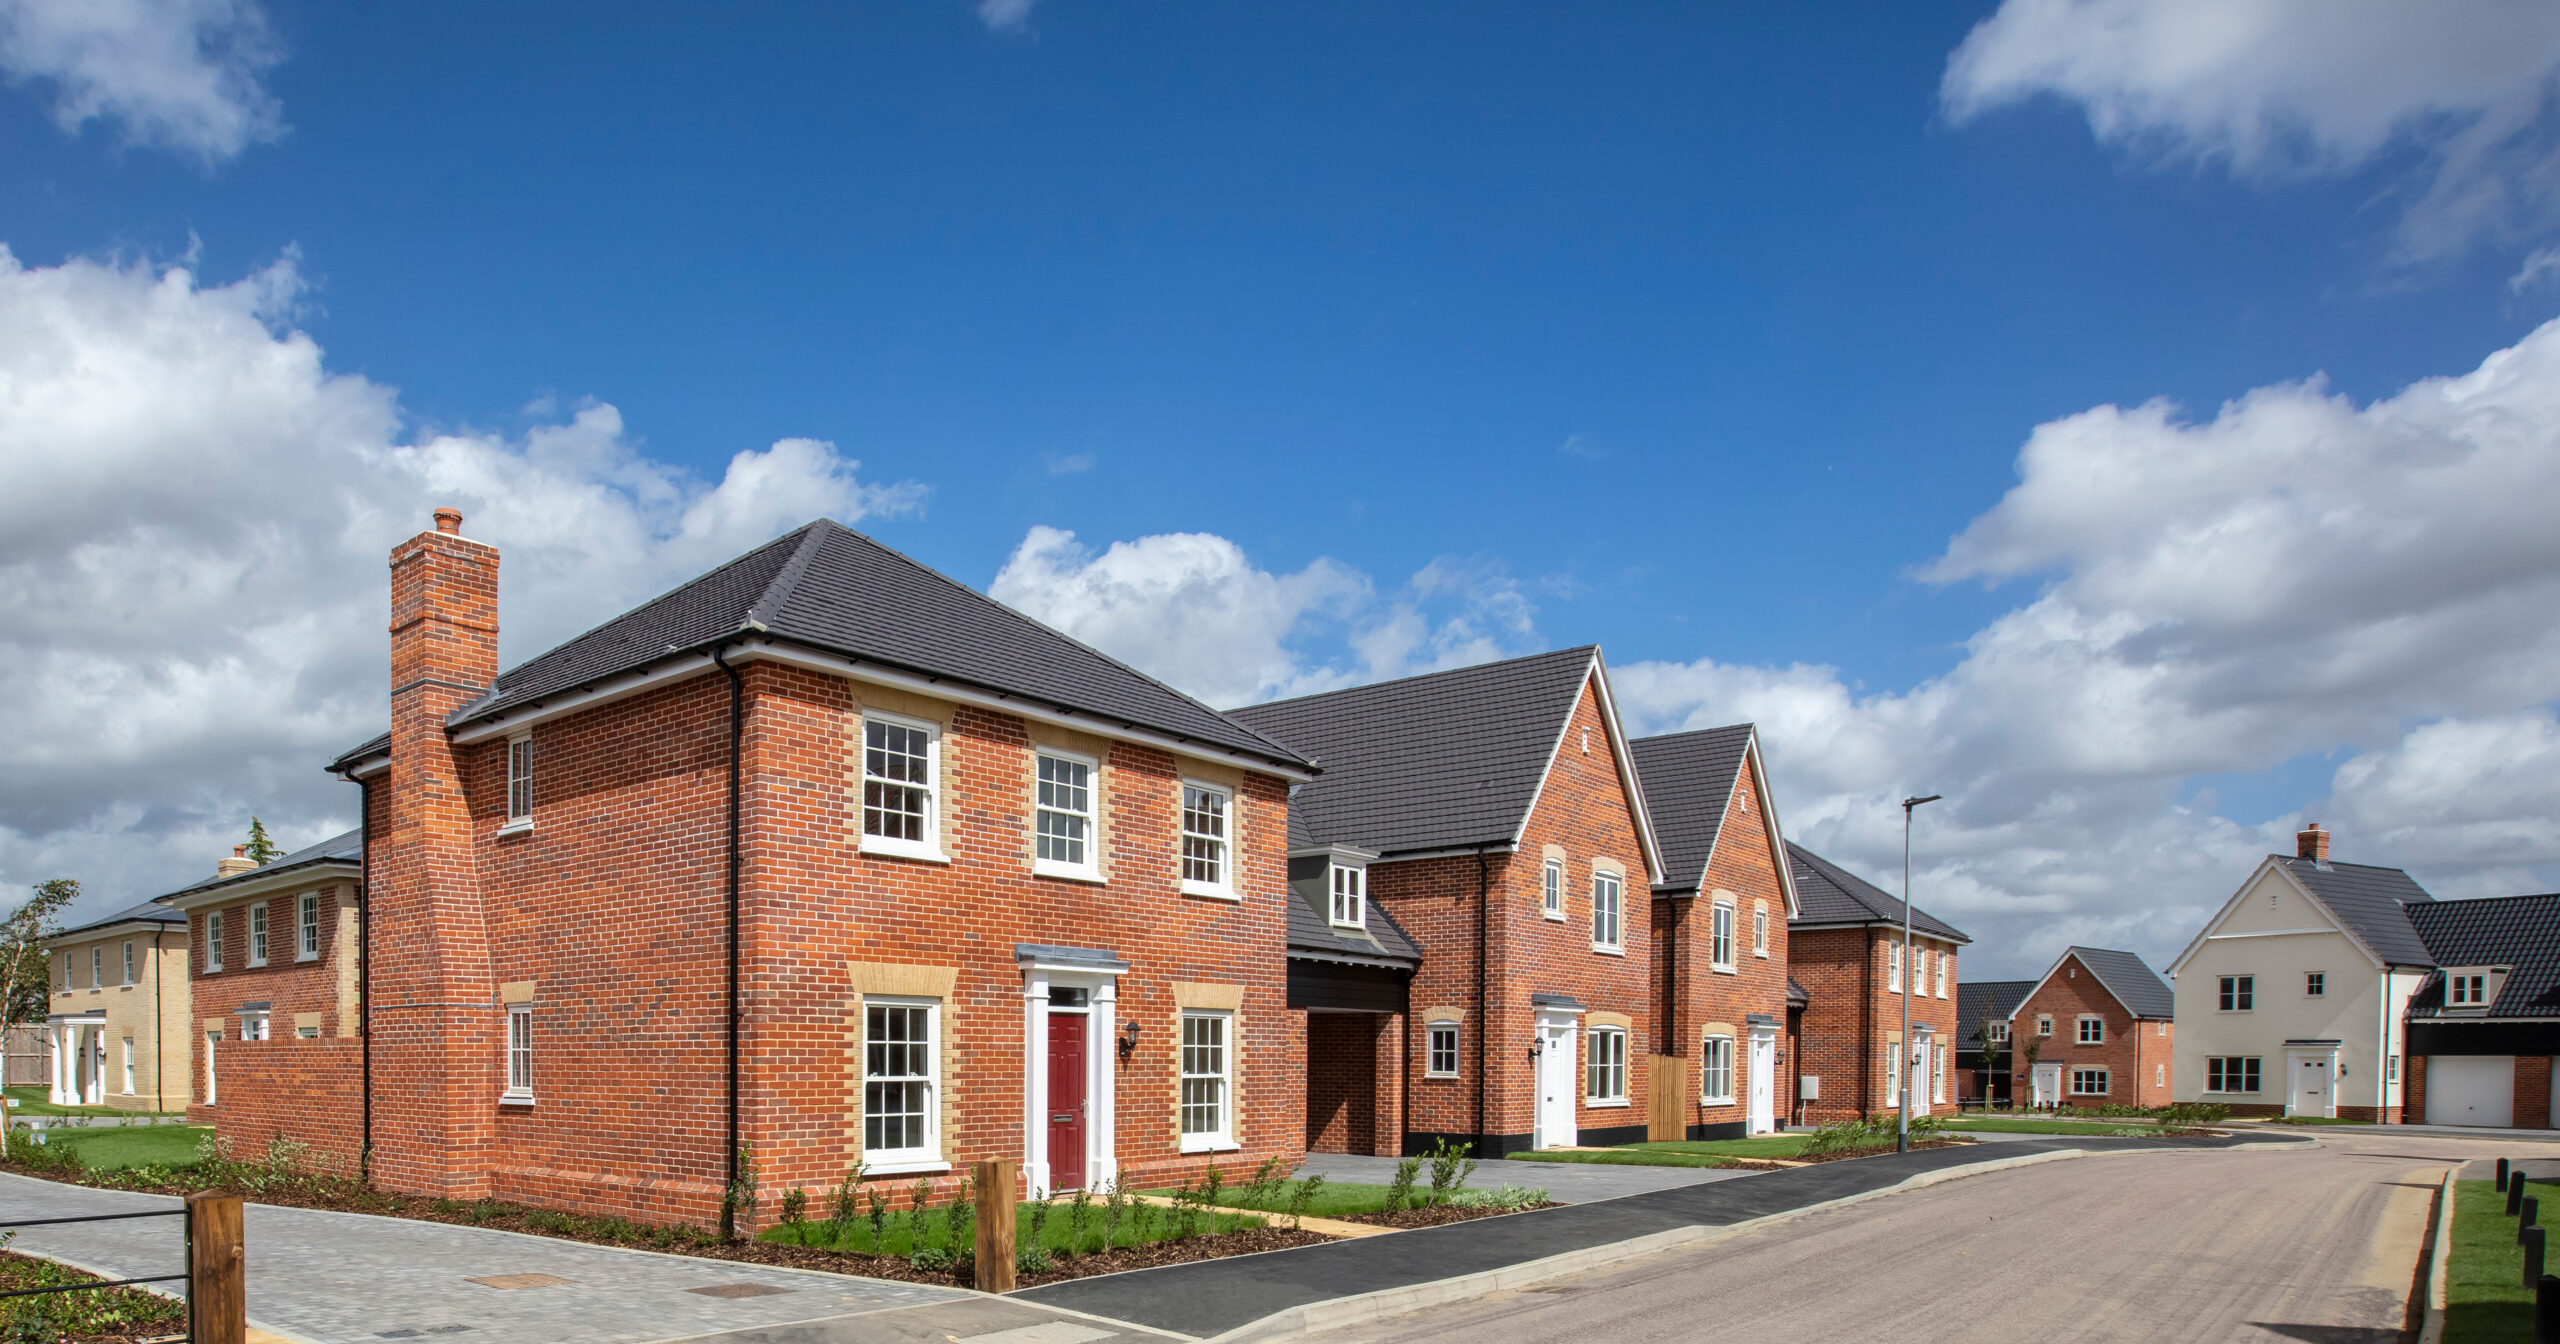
(740, 1290)
(522, 1281)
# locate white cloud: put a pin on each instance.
(1006, 16)
(2284, 88)
(1193, 609)
(1070, 465)
(2541, 267)
(194, 518)
(186, 75)
(2295, 577)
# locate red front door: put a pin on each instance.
(1066, 1101)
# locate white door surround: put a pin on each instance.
(1066, 973)
(2471, 1090)
(2046, 1084)
(79, 1059)
(2311, 1078)
(1555, 1125)
(1924, 1044)
(1760, 1082)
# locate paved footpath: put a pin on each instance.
(1210, 1297)
(339, 1278)
(1564, 1182)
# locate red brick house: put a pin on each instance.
(1720, 927)
(821, 853)
(2104, 1026)
(1846, 949)
(1488, 818)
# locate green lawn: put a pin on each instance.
(2002, 1125)
(1333, 1199)
(30, 1101)
(1625, 1157)
(902, 1232)
(1702, 1153)
(2314, 1120)
(2486, 1301)
(132, 1145)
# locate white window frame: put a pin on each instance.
(2159, 1075)
(2044, 1024)
(1224, 859)
(2467, 989)
(1219, 1083)
(1716, 1060)
(128, 1066)
(306, 926)
(516, 1062)
(1893, 968)
(97, 964)
(2083, 1033)
(2236, 994)
(2230, 1069)
(929, 847)
(1551, 899)
(912, 1156)
(1720, 937)
(1759, 930)
(1894, 1068)
(1348, 902)
(1608, 912)
(1088, 836)
(257, 1026)
(128, 961)
(2391, 1069)
(1604, 1066)
(1999, 1034)
(1938, 1085)
(258, 934)
(519, 783)
(2098, 1071)
(1434, 1035)
(212, 943)
(306, 1033)
(2315, 984)
(1946, 973)
(212, 1093)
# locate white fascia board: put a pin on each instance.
(1453, 851)
(1751, 765)
(1351, 852)
(1597, 676)
(313, 874)
(754, 650)
(64, 941)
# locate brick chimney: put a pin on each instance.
(239, 862)
(435, 1065)
(2311, 843)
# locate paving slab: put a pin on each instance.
(1213, 1296)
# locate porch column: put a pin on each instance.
(60, 1095)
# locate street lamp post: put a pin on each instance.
(1910, 969)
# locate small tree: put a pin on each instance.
(261, 850)
(29, 976)
(1982, 1032)
(2027, 1070)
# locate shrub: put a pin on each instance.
(1303, 1197)
(1508, 1197)
(795, 1207)
(1400, 1189)
(1115, 1206)
(1451, 1165)
(1039, 1220)
(932, 1260)
(877, 1204)
(1031, 1259)
(1265, 1185)
(1079, 1212)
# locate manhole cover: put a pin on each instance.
(522, 1281)
(740, 1290)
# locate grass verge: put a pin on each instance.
(1624, 1157)
(2486, 1301)
(30, 1101)
(1058, 1225)
(2102, 1128)
(138, 1146)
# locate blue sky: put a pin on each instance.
(1697, 335)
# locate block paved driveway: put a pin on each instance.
(338, 1278)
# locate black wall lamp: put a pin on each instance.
(1128, 1040)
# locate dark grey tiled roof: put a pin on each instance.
(1312, 933)
(1826, 893)
(2135, 985)
(1974, 998)
(1430, 762)
(2522, 932)
(149, 912)
(1688, 779)
(347, 847)
(831, 588)
(2370, 901)
(1796, 995)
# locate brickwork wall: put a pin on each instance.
(1745, 870)
(1350, 1108)
(2135, 1054)
(1854, 1013)
(1583, 809)
(306, 1091)
(318, 993)
(2533, 1092)
(2413, 1089)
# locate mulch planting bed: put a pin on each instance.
(341, 1195)
(1436, 1214)
(107, 1316)
(1879, 1152)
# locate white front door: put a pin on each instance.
(2310, 1090)
(1920, 1075)
(2047, 1084)
(1761, 1083)
(1557, 1061)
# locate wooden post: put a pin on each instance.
(217, 1278)
(995, 1226)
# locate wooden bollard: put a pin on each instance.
(995, 1226)
(217, 1271)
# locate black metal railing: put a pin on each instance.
(179, 1277)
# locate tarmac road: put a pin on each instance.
(2318, 1244)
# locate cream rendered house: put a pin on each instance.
(2291, 1001)
(118, 1016)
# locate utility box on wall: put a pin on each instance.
(1810, 1088)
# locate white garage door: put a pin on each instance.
(2471, 1090)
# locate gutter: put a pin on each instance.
(737, 734)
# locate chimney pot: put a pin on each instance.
(239, 851)
(2311, 843)
(449, 521)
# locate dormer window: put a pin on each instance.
(2466, 989)
(1350, 896)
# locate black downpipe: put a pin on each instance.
(737, 735)
(1484, 1005)
(364, 972)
